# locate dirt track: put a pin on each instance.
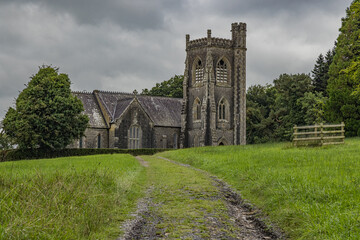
(243, 219)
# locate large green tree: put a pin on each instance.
(344, 82)
(47, 115)
(169, 88)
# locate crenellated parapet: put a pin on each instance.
(215, 42)
(238, 39)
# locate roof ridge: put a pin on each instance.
(140, 95)
(84, 92)
(114, 92)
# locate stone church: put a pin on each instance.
(212, 111)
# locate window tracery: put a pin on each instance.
(222, 72)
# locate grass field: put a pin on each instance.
(311, 193)
(68, 198)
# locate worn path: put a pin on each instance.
(187, 203)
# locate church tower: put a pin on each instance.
(214, 106)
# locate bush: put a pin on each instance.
(22, 154)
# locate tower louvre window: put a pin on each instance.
(199, 71)
(221, 72)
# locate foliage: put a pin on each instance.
(5, 141)
(320, 75)
(272, 111)
(47, 115)
(70, 198)
(21, 154)
(344, 82)
(311, 193)
(170, 88)
(260, 102)
(312, 105)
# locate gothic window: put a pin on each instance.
(134, 137)
(99, 141)
(81, 142)
(198, 71)
(222, 71)
(197, 109)
(223, 110)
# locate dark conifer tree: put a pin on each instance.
(319, 74)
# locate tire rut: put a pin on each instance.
(242, 214)
(245, 215)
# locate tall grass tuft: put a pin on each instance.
(67, 198)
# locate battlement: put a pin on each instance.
(238, 35)
(238, 26)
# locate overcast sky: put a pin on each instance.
(122, 45)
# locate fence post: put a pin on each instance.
(321, 134)
(342, 131)
(295, 135)
(316, 130)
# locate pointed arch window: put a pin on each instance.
(134, 137)
(197, 110)
(198, 71)
(222, 71)
(223, 110)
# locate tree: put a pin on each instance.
(47, 115)
(287, 110)
(259, 103)
(320, 73)
(170, 88)
(344, 72)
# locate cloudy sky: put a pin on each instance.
(122, 45)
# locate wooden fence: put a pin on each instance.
(320, 134)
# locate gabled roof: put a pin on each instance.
(91, 109)
(163, 111)
(110, 100)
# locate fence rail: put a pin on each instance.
(319, 134)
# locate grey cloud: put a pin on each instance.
(139, 14)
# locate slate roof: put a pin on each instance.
(110, 100)
(91, 109)
(163, 111)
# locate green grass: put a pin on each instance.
(187, 203)
(311, 193)
(68, 198)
